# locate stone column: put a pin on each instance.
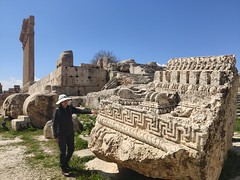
(27, 39)
(0, 88)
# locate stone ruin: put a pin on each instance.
(10, 91)
(171, 123)
(1, 89)
(27, 40)
(37, 98)
(180, 126)
(71, 80)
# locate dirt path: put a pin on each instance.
(13, 164)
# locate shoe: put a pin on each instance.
(68, 167)
(65, 172)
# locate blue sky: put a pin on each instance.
(145, 30)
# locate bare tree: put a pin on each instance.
(101, 54)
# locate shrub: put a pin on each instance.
(237, 125)
(88, 123)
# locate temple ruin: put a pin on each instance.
(173, 122)
(180, 126)
(71, 80)
(27, 39)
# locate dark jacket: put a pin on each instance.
(62, 122)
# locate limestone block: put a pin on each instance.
(58, 81)
(184, 77)
(48, 130)
(166, 77)
(51, 76)
(40, 108)
(178, 130)
(24, 118)
(194, 77)
(13, 104)
(23, 122)
(216, 78)
(205, 77)
(58, 72)
(93, 99)
(72, 71)
(64, 71)
(175, 76)
(158, 76)
(70, 81)
(65, 59)
(63, 81)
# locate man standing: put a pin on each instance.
(63, 130)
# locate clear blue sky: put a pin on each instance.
(145, 30)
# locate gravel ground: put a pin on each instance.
(13, 165)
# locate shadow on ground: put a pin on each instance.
(124, 174)
(128, 174)
(231, 167)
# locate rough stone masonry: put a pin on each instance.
(180, 126)
(27, 39)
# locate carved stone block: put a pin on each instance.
(178, 127)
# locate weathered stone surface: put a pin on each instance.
(27, 39)
(124, 66)
(148, 68)
(48, 130)
(40, 108)
(181, 129)
(93, 99)
(13, 105)
(23, 122)
(71, 80)
(127, 78)
(65, 59)
(106, 63)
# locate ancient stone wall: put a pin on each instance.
(148, 68)
(5, 94)
(71, 80)
(27, 39)
(179, 127)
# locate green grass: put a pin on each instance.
(80, 143)
(36, 157)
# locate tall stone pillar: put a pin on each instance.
(27, 39)
(0, 88)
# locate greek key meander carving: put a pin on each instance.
(195, 80)
(155, 128)
(186, 114)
